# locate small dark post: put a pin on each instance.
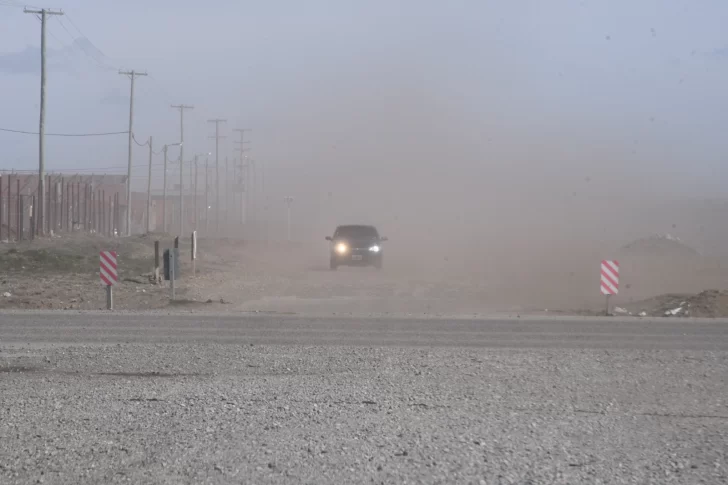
(176, 242)
(109, 297)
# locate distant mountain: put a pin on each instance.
(26, 61)
(721, 53)
(81, 55)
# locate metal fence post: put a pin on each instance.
(10, 189)
(21, 229)
(33, 220)
(18, 210)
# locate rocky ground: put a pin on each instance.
(706, 304)
(232, 275)
(134, 413)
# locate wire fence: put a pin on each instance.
(70, 204)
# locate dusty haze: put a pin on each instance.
(517, 144)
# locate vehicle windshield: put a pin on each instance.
(356, 232)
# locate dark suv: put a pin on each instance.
(356, 246)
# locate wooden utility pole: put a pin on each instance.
(42, 14)
(132, 75)
(149, 189)
(243, 195)
(207, 196)
(164, 193)
(227, 191)
(217, 169)
(197, 213)
(181, 108)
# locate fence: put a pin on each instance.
(71, 204)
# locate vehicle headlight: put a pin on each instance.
(341, 248)
(374, 249)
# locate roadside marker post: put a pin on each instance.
(171, 267)
(157, 278)
(109, 274)
(194, 253)
(610, 279)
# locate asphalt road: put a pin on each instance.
(187, 398)
(511, 332)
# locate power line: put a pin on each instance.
(140, 144)
(63, 46)
(64, 28)
(82, 45)
(13, 4)
(84, 35)
(65, 134)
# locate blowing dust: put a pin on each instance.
(524, 211)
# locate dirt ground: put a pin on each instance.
(232, 275)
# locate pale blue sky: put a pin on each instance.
(627, 93)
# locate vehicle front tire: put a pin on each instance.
(332, 265)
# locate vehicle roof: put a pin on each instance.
(356, 226)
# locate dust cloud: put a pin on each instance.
(502, 145)
(528, 209)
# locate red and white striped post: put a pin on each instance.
(610, 279)
(108, 271)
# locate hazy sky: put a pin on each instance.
(464, 97)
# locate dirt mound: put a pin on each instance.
(706, 304)
(658, 246)
(658, 265)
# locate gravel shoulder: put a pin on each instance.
(211, 413)
(218, 403)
